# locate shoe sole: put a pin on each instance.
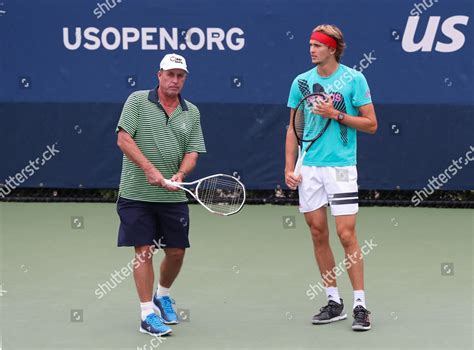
(361, 328)
(334, 319)
(170, 322)
(157, 310)
(144, 331)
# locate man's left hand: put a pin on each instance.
(325, 108)
(178, 177)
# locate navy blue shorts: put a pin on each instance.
(165, 225)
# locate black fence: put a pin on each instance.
(438, 199)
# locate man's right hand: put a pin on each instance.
(291, 180)
(154, 177)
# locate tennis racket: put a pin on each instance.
(308, 126)
(220, 194)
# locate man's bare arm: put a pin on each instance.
(128, 146)
(291, 151)
(188, 163)
(365, 122)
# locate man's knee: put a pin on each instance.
(176, 254)
(144, 254)
(319, 234)
(347, 236)
(318, 228)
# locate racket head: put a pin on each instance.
(221, 194)
(307, 125)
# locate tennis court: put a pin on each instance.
(244, 284)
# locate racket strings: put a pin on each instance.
(307, 125)
(299, 123)
(211, 188)
(221, 194)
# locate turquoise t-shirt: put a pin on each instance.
(349, 89)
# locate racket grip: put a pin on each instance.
(297, 171)
(169, 182)
(299, 162)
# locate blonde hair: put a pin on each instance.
(335, 33)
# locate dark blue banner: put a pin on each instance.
(66, 68)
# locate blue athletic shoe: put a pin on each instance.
(153, 325)
(164, 307)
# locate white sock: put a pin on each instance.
(359, 298)
(147, 309)
(333, 294)
(162, 291)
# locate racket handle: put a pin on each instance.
(170, 183)
(299, 163)
(297, 171)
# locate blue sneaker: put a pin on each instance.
(153, 325)
(164, 307)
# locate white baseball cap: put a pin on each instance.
(173, 61)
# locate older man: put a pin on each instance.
(160, 135)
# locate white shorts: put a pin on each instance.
(334, 185)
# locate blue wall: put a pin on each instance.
(51, 92)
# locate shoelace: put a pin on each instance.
(361, 314)
(155, 321)
(326, 308)
(167, 304)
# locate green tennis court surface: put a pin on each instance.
(244, 283)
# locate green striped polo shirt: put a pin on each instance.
(163, 140)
